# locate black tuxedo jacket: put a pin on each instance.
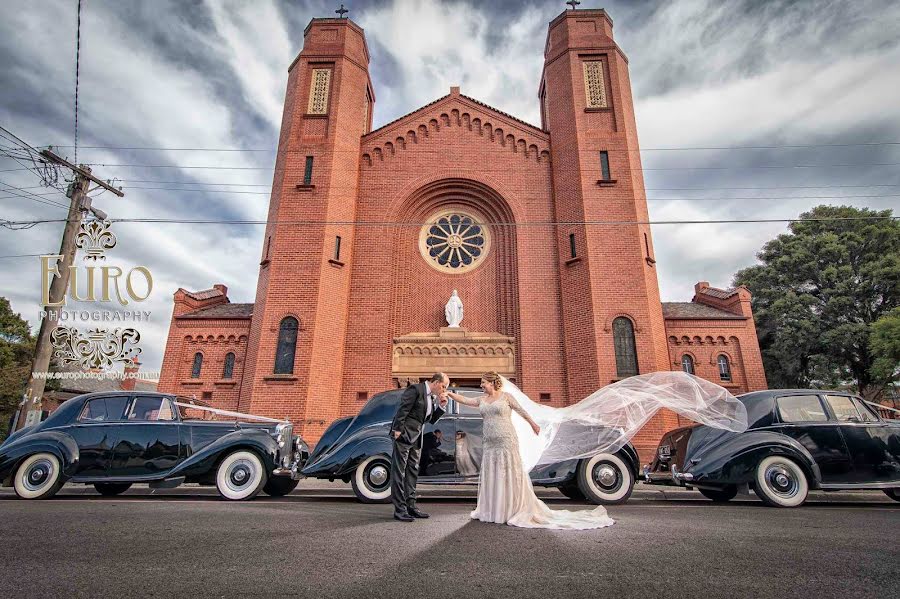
(410, 417)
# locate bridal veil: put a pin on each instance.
(605, 420)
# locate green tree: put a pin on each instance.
(884, 343)
(16, 351)
(817, 293)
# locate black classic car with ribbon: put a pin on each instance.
(357, 449)
(113, 440)
(797, 440)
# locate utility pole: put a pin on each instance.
(30, 408)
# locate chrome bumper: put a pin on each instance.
(292, 454)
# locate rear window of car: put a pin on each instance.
(801, 408)
(865, 411)
(847, 409)
(103, 409)
(151, 409)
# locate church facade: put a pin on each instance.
(541, 232)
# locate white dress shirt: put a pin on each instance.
(429, 398)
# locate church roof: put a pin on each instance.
(204, 294)
(524, 124)
(718, 293)
(222, 311)
(692, 310)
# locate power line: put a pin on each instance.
(23, 256)
(664, 168)
(649, 199)
(808, 197)
(486, 223)
(77, 72)
(40, 198)
(197, 183)
(660, 149)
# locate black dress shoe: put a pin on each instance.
(403, 517)
(416, 513)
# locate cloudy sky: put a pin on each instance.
(211, 74)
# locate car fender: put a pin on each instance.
(206, 459)
(364, 449)
(734, 460)
(347, 453)
(56, 442)
(630, 454)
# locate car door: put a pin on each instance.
(149, 443)
(468, 442)
(803, 417)
(868, 439)
(438, 449)
(95, 431)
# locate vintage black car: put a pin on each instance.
(112, 440)
(797, 440)
(357, 449)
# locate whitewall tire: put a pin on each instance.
(605, 478)
(39, 476)
(780, 482)
(241, 475)
(372, 480)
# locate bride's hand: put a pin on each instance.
(536, 428)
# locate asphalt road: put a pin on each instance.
(319, 542)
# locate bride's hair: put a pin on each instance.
(493, 378)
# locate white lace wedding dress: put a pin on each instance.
(505, 493)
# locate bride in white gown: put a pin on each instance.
(602, 422)
(505, 493)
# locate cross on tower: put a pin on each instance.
(573, 3)
(342, 11)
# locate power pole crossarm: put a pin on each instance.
(85, 173)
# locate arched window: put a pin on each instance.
(623, 340)
(287, 345)
(687, 364)
(228, 370)
(724, 368)
(198, 364)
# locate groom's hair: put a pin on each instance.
(437, 377)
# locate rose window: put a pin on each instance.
(454, 241)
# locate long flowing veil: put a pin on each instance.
(605, 420)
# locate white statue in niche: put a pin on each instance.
(454, 310)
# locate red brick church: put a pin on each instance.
(525, 222)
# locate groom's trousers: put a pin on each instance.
(405, 473)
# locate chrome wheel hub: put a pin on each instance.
(38, 475)
(378, 476)
(240, 475)
(607, 477)
(782, 481)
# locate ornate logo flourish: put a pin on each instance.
(94, 238)
(97, 348)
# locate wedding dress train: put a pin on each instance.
(505, 492)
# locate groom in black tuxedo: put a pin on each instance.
(420, 403)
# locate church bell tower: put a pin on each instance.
(614, 322)
(299, 321)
